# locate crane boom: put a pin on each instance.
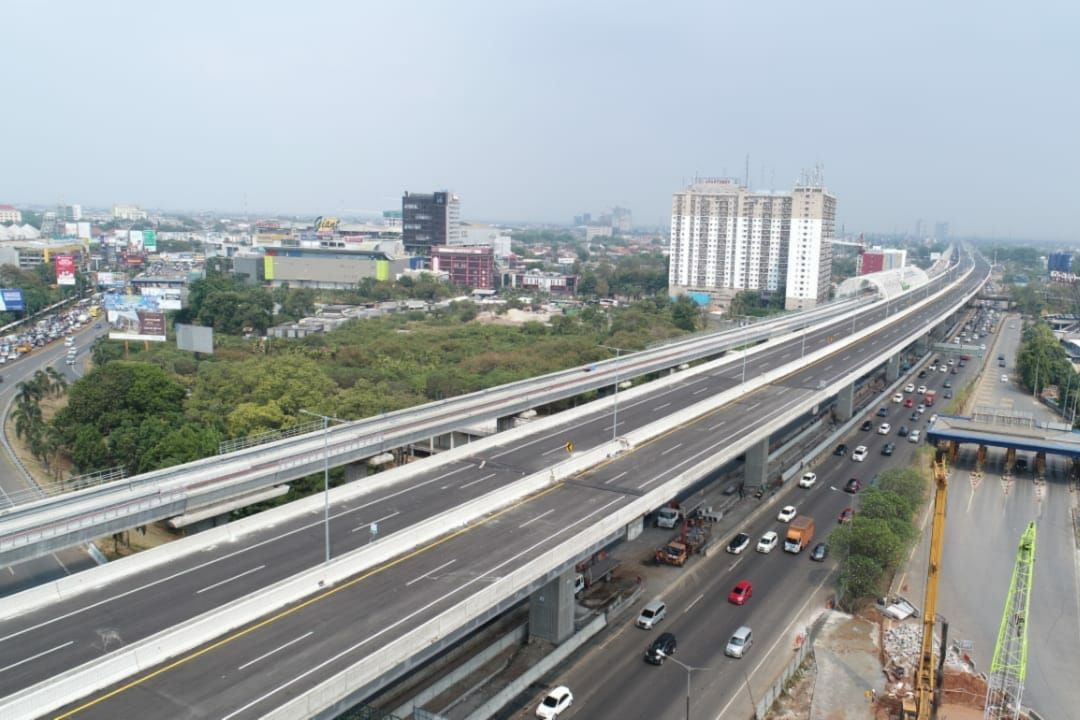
(921, 706)
(1005, 685)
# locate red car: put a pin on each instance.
(741, 593)
(909, 403)
(846, 515)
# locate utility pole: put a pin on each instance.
(326, 473)
(615, 411)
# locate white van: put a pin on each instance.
(739, 643)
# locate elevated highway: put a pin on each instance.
(344, 642)
(36, 528)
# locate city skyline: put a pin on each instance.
(536, 112)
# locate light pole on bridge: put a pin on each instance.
(326, 472)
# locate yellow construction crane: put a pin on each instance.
(923, 704)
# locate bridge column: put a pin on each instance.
(756, 467)
(506, 422)
(845, 403)
(892, 368)
(551, 609)
(922, 344)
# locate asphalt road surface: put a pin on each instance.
(14, 486)
(985, 521)
(612, 680)
(331, 631)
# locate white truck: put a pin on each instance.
(668, 517)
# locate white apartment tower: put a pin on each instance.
(725, 239)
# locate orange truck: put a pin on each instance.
(800, 533)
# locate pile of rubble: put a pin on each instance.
(902, 646)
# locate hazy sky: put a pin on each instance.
(959, 110)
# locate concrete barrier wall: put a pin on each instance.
(515, 688)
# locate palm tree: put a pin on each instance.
(29, 391)
(27, 416)
(57, 382)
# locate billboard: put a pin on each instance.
(168, 298)
(135, 317)
(135, 241)
(111, 280)
(195, 338)
(149, 240)
(65, 270)
(84, 230)
(11, 300)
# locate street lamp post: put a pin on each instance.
(689, 669)
(615, 412)
(326, 473)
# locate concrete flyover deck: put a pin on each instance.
(1048, 438)
(396, 613)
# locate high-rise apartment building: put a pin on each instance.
(725, 239)
(429, 219)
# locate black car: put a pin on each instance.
(819, 553)
(902, 432)
(841, 450)
(948, 394)
(1021, 464)
(915, 416)
(887, 449)
(738, 543)
(661, 647)
(883, 411)
(853, 486)
(868, 425)
(922, 374)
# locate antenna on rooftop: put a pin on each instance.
(747, 175)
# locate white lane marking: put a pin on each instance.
(229, 580)
(415, 580)
(698, 392)
(673, 448)
(695, 601)
(474, 482)
(375, 521)
(660, 407)
(228, 556)
(530, 521)
(623, 473)
(751, 407)
(717, 425)
(277, 649)
(35, 657)
(394, 625)
(554, 449)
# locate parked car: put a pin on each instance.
(742, 592)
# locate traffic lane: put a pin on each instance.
(355, 619)
(250, 572)
(218, 581)
(615, 681)
(31, 573)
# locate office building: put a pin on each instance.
(10, 214)
(726, 239)
(621, 220)
(876, 259)
(466, 265)
(128, 212)
(941, 231)
(73, 213)
(428, 220)
(552, 283)
(1059, 262)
